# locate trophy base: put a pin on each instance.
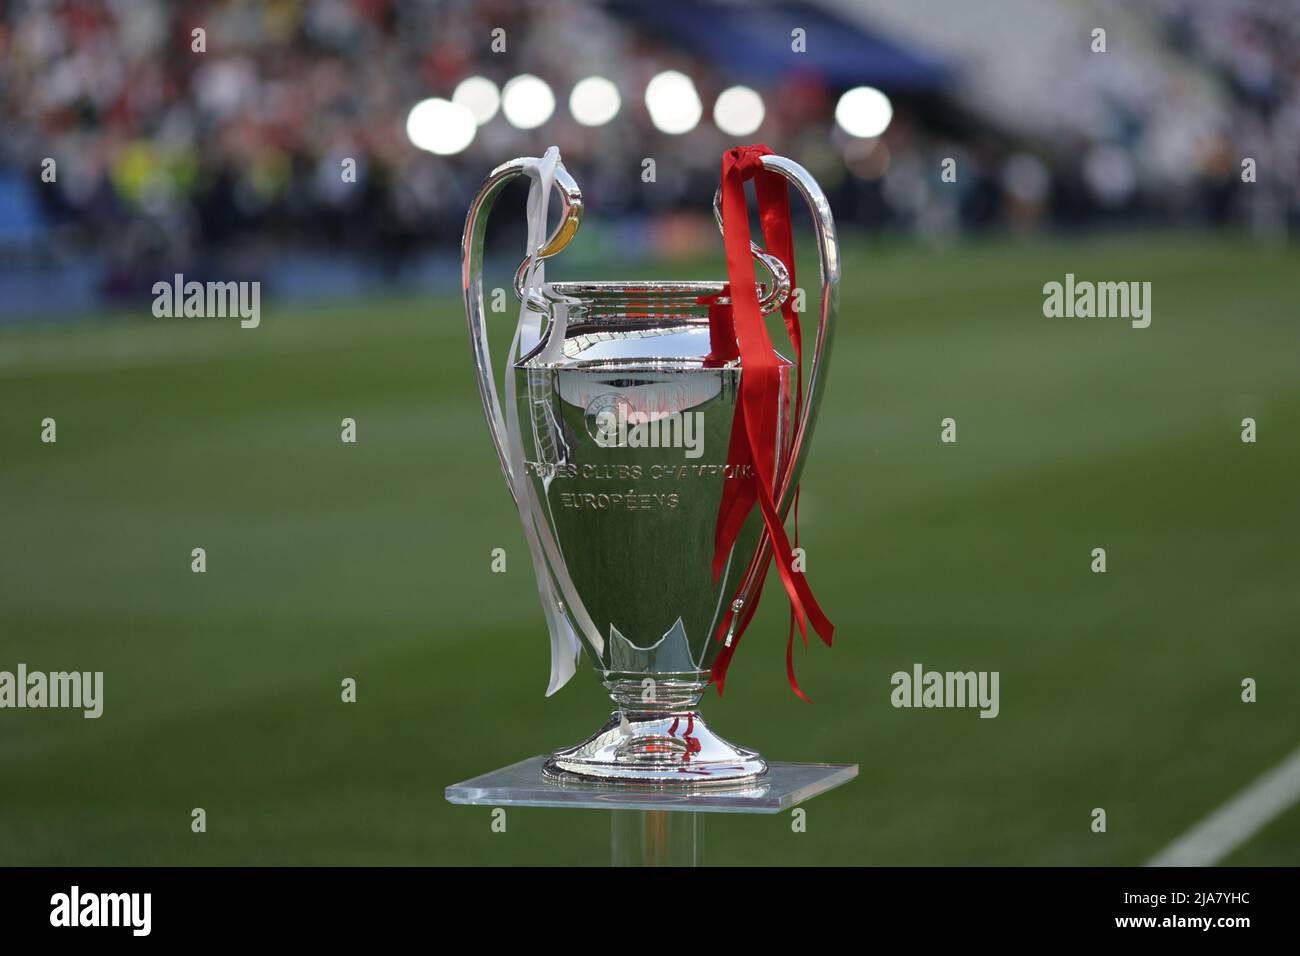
(669, 750)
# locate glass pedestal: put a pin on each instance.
(652, 827)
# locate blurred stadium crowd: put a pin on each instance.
(167, 155)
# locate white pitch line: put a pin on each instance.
(1237, 820)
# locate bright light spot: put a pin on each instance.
(738, 111)
(479, 95)
(594, 101)
(527, 101)
(672, 102)
(440, 126)
(864, 111)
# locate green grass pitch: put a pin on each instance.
(1118, 690)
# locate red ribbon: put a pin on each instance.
(739, 329)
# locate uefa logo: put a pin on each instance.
(613, 421)
(602, 418)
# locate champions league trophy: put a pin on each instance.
(615, 431)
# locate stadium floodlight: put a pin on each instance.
(594, 101)
(480, 96)
(440, 126)
(527, 101)
(672, 102)
(864, 112)
(738, 111)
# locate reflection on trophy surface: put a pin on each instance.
(621, 424)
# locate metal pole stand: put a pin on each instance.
(655, 838)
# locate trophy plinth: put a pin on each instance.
(664, 744)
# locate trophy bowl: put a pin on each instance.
(614, 437)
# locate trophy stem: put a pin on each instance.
(656, 737)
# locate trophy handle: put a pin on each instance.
(828, 251)
(771, 297)
(471, 250)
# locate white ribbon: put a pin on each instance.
(548, 564)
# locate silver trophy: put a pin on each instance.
(613, 433)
